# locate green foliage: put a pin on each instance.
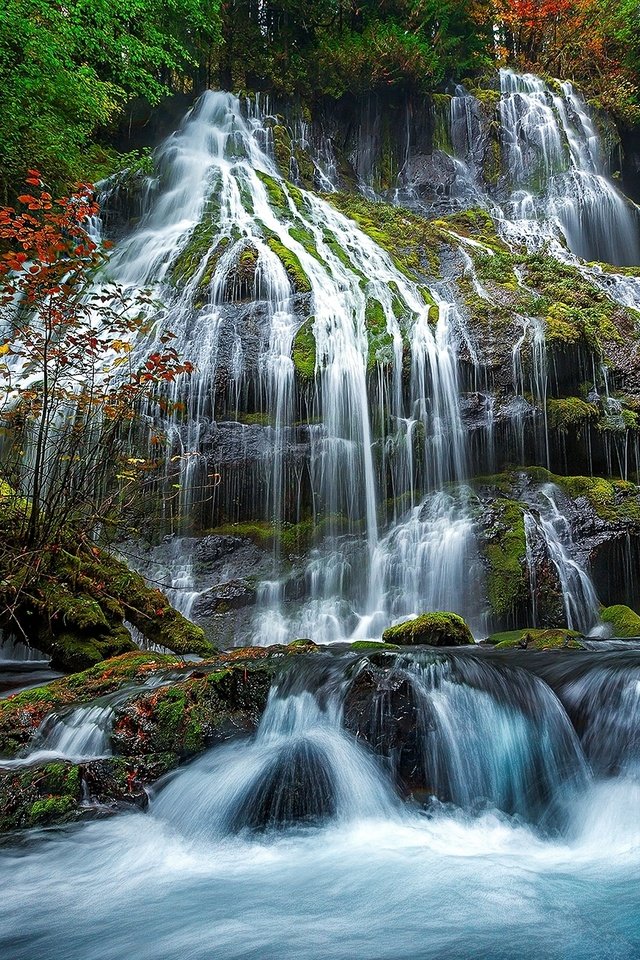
(66, 71)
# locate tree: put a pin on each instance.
(73, 390)
(66, 72)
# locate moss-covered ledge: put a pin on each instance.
(71, 600)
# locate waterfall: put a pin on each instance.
(314, 281)
(301, 767)
(548, 524)
(80, 734)
(557, 172)
(329, 411)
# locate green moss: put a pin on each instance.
(487, 97)
(616, 501)
(504, 548)
(303, 351)
(297, 276)
(440, 629)
(624, 621)
(492, 165)
(282, 148)
(442, 122)
(474, 224)
(306, 239)
(198, 247)
(411, 241)
(497, 268)
(360, 645)
(257, 419)
(379, 339)
(534, 639)
(51, 810)
(570, 413)
(276, 195)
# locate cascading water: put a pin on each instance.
(386, 780)
(314, 279)
(328, 387)
(80, 734)
(547, 523)
(557, 172)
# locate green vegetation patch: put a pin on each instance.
(503, 545)
(534, 639)
(303, 352)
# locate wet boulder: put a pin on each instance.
(41, 795)
(224, 597)
(181, 719)
(380, 708)
(298, 788)
(441, 629)
(624, 621)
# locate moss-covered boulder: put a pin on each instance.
(372, 645)
(534, 639)
(624, 621)
(182, 719)
(61, 792)
(435, 629)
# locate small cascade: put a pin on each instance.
(80, 734)
(347, 741)
(427, 561)
(483, 734)
(301, 767)
(545, 522)
(603, 702)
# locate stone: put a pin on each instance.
(439, 629)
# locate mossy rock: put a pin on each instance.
(303, 351)
(364, 645)
(503, 547)
(298, 278)
(439, 629)
(22, 713)
(534, 639)
(411, 241)
(570, 413)
(624, 621)
(45, 795)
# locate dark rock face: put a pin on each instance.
(297, 788)
(227, 596)
(431, 176)
(381, 709)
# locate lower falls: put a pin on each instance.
(416, 389)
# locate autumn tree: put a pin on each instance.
(72, 390)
